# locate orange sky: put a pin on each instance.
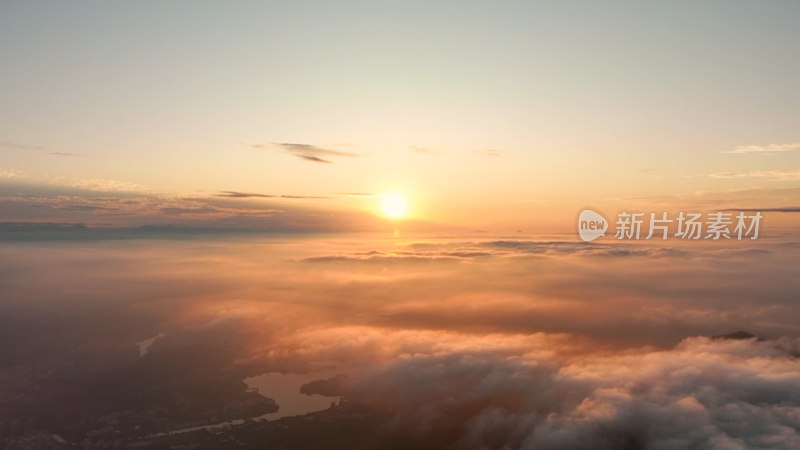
(485, 116)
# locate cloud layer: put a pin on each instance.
(701, 394)
(464, 343)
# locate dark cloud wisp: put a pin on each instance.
(237, 194)
(308, 152)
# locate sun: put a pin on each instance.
(394, 205)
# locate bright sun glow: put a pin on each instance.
(394, 205)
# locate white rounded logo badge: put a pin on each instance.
(591, 225)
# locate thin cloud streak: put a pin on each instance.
(314, 159)
(424, 150)
(358, 194)
(771, 148)
(11, 173)
(490, 152)
(18, 146)
(236, 194)
(308, 152)
(785, 209)
(766, 174)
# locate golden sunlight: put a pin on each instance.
(394, 205)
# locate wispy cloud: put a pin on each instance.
(766, 149)
(786, 209)
(490, 152)
(109, 204)
(101, 184)
(179, 211)
(358, 194)
(457, 251)
(85, 208)
(235, 194)
(765, 174)
(87, 184)
(66, 154)
(313, 159)
(10, 173)
(19, 146)
(308, 152)
(424, 150)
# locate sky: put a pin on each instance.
(415, 171)
(489, 115)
